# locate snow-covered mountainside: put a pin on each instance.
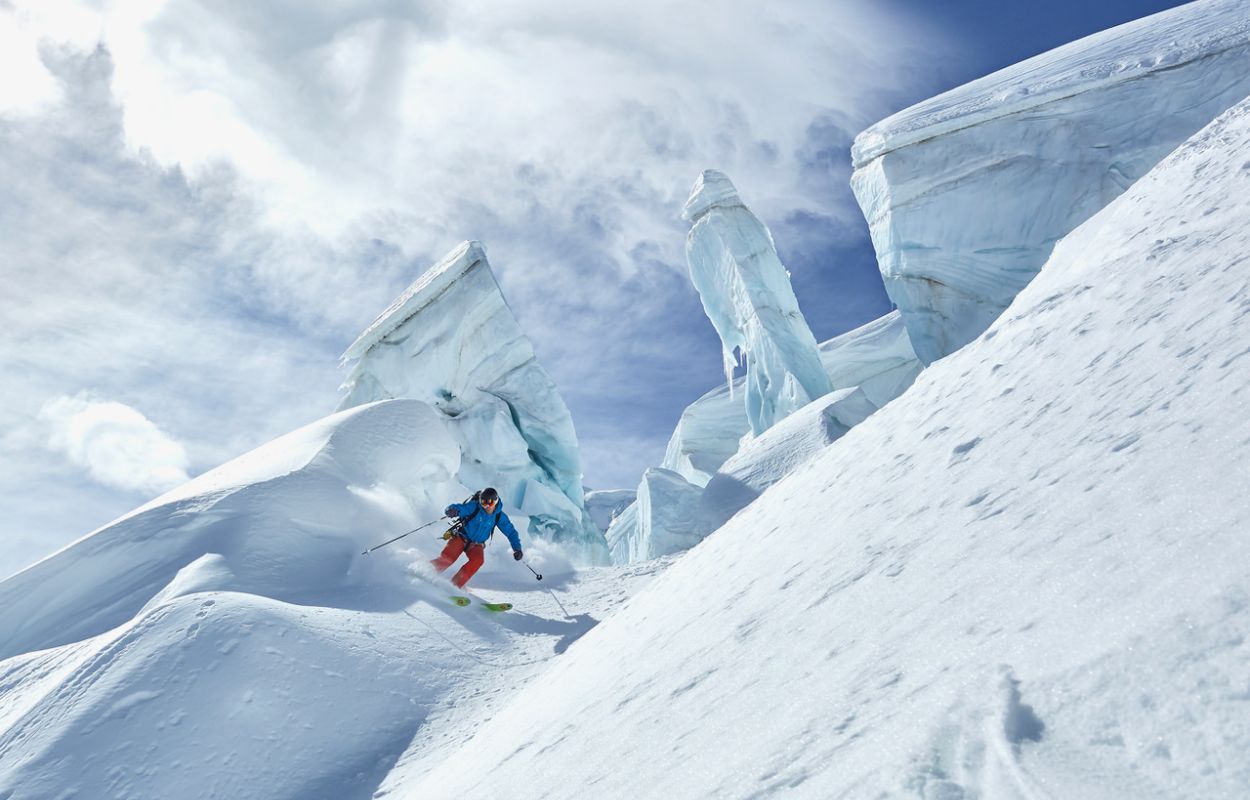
(451, 341)
(230, 639)
(966, 193)
(1026, 577)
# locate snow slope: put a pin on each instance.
(967, 192)
(1024, 578)
(229, 639)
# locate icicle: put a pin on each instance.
(729, 362)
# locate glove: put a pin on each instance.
(450, 511)
(517, 554)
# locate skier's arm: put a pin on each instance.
(460, 509)
(509, 530)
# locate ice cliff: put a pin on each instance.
(451, 341)
(747, 295)
(966, 193)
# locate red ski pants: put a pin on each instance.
(476, 551)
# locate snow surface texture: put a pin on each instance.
(230, 640)
(966, 193)
(877, 359)
(1024, 578)
(450, 340)
(747, 295)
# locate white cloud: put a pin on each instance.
(115, 443)
(212, 204)
(372, 105)
(27, 86)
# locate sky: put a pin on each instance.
(204, 203)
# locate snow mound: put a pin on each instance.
(1024, 577)
(285, 521)
(965, 194)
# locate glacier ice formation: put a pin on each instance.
(783, 448)
(876, 360)
(604, 505)
(667, 517)
(450, 340)
(1059, 507)
(966, 193)
(747, 295)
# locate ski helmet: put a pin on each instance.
(489, 495)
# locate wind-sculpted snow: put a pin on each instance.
(966, 193)
(450, 340)
(747, 295)
(285, 520)
(1025, 577)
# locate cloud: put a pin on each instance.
(115, 443)
(206, 201)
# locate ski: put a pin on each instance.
(462, 601)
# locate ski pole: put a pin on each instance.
(402, 535)
(531, 569)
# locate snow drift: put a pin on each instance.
(284, 520)
(1025, 577)
(966, 193)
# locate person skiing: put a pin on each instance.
(478, 519)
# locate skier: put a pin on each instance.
(478, 519)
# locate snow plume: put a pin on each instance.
(115, 443)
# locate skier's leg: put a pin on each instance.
(455, 546)
(477, 554)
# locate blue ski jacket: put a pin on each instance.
(479, 528)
